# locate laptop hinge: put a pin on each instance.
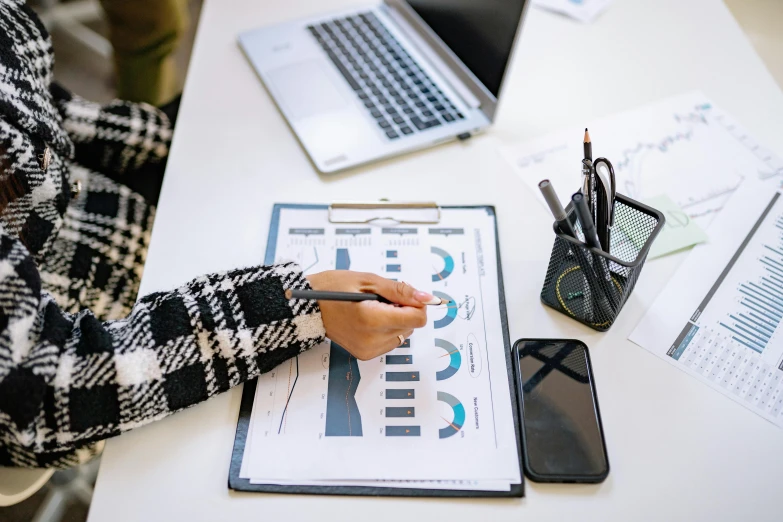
(455, 83)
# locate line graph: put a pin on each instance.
(290, 392)
(684, 147)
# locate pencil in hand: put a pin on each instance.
(316, 295)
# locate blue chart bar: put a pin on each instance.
(403, 431)
(402, 376)
(394, 268)
(343, 261)
(399, 359)
(400, 394)
(401, 412)
(391, 253)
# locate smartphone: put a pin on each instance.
(562, 435)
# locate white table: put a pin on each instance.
(678, 450)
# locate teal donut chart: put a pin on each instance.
(459, 415)
(455, 360)
(451, 310)
(448, 264)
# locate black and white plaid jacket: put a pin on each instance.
(79, 361)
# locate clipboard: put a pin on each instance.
(401, 213)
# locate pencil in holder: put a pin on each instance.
(590, 285)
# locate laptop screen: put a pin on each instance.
(480, 32)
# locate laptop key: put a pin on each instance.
(427, 113)
(422, 124)
(406, 130)
(408, 110)
(392, 135)
(448, 117)
(398, 120)
(376, 114)
(369, 104)
(384, 124)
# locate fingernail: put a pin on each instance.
(423, 297)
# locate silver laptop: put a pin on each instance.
(373, 82)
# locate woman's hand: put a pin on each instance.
(368, 329)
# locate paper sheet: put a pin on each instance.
(583, 10)
(718, 318)
(682, 146)
(436, 409)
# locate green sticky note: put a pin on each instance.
(678, 232)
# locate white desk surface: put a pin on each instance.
(678, 450)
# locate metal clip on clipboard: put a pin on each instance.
(377, 212)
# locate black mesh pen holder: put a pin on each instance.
(590, 285)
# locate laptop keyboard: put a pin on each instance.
(395, 91)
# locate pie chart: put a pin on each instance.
(451, 311)
(448, 264)
(458, 411)
(454, 358)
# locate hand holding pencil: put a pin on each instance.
(364, 313)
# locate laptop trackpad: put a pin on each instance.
(305, 90)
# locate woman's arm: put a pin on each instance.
(128, 142)
(69, 380)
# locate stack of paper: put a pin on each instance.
(435, 413)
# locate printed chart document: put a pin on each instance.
(434, 413)
(683, 147)
(719, 317)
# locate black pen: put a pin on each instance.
(316, 295)
(585, 220)
(563, 223)
(591, 238)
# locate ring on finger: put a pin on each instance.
(401, 339)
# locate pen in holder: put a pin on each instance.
(590, 285)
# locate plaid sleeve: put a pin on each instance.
(129, 142)
(68, 380)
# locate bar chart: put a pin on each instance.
(746, 300)
(719, 318)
